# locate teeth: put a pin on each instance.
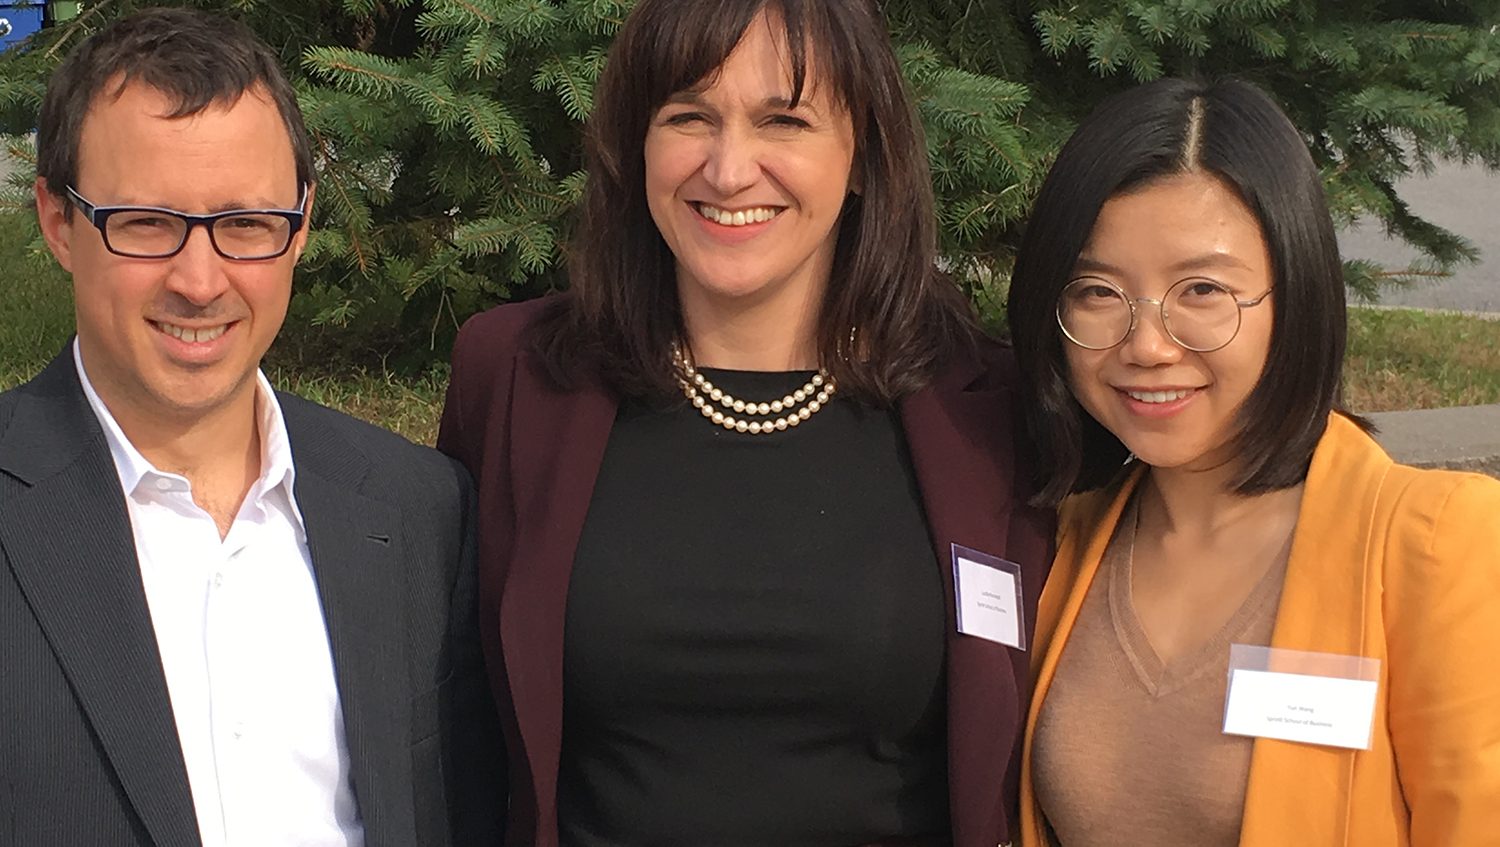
(1158, 396)
(743, 217)
(193, 336)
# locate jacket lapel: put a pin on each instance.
(67, 537)
(354, 543)
(961, 438)
(1087, 523)
(1323, 609)
(557, 443)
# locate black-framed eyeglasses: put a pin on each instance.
(151, 232)
(1199, 314)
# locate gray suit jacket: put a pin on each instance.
(88, 748)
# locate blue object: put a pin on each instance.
(18, 20)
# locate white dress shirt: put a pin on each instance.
(244, 647)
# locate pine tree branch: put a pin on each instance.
(87, 11)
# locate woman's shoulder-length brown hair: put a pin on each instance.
(621, 312)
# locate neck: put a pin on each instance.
(1200, 503)
(213, 444)
(777, 332)
(218, 451)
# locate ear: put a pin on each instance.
(299, 241)
(57, 225)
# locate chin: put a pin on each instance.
(201, 396)
(1161, 456)
(731, 286)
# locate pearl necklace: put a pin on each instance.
(704, 395)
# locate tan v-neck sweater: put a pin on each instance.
(1129, 750)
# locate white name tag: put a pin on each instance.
(988, 597)
(1335, 708)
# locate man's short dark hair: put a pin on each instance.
(1232, 131)
(195, 58)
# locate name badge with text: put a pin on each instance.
(988, 599)
(1292, 695)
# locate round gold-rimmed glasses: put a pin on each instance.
(1199, 314)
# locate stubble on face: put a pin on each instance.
(150, 329)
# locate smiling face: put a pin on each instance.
(1171, 407)
(745, 189)
(180, 337)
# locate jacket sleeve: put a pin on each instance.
(1442, 610)
(473, 416)
(473, 744)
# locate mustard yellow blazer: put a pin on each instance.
(1387, 562)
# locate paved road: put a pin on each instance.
(1464, 199)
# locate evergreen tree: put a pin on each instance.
(447, 132)
(1379, 89)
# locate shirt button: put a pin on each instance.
(164, 485)
(218, 580)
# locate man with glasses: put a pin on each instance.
(228, 616)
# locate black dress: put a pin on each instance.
(754, 635)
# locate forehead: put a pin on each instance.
(133, 150)
(1184, 213)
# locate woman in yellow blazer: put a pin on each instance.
(1178, 313)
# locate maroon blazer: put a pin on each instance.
(535, 449)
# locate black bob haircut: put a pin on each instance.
(1232, 131)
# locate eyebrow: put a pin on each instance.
(228, 206)
(235, 205)
(1205, 261)
(694, 97)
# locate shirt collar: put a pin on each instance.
(277, 471)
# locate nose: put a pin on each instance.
(1150, 344)
(198, 271)
(733, 164)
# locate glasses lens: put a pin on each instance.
(144, 233)
(1093, 313)
(1201, 314)
(252, 236)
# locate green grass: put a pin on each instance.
(1405, 359)
(36, 303)
(409, 406)
(1398, 359)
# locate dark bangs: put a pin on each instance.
(679, 58)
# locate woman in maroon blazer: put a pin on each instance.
(722, 478)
